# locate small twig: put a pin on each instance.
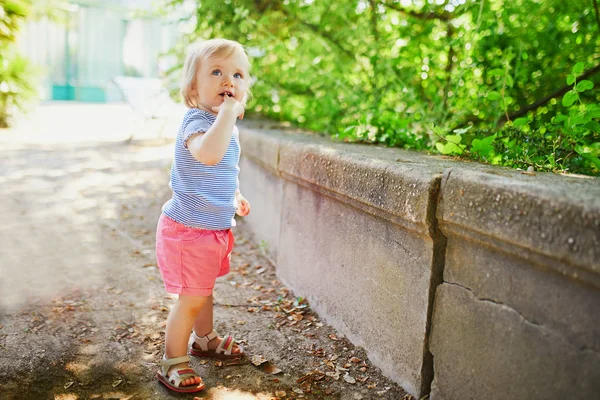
(235, 305)
(597, 13)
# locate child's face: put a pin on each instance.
(220, 76)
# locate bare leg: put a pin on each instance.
(204, 325)
(180, 322)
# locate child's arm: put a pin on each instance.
(210, 147)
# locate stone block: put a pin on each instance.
(516, 315)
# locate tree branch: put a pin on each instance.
(320, 32)
(524, 110)
(450, 65)
(445, 16)
(374, 19)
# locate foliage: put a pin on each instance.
(15, 71)
(475, 78)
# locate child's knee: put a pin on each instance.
(193, 304)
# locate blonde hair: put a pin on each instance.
(203, 51)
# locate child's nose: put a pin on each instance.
(227, 81)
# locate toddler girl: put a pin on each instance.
(193, 237)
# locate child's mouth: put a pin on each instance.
(226, 93)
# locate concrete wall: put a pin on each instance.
(518, 314)
(367, 234)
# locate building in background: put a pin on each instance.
(93, 42)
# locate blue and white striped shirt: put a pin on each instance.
(203, 195)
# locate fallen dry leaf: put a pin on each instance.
(334, 375)
(349, 379)
(271, 369)
(258, 360)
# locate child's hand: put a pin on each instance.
(230, 104)
(243, 208)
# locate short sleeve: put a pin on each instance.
(196, 124)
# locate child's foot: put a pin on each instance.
(177, 375)
(180, 368)
(214, 346)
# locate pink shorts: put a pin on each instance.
(191, 259)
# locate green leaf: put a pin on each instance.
(580, 119)
(496, 72)
(453, 138)
(569, 98)
(584, 85)
(509, 81)
(593, 126)
(570, 79)
(594, 113)
(521, 121)
(559, 118)
(494, 95)
(484, 146)
(578, 68)
(438, 130)
(448, 148)
(594, 160)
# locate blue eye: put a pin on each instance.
(238, 75)
(216, 72)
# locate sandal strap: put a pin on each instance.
(202, 341)
(169, 362)
(226, 345)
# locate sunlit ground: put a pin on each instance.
(62, 173)
(72, 122)
(218, 393)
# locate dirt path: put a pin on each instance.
(82, 307)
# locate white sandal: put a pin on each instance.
(173, 380)
(223, 350)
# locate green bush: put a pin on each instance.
(16, 74)
(491, 80)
